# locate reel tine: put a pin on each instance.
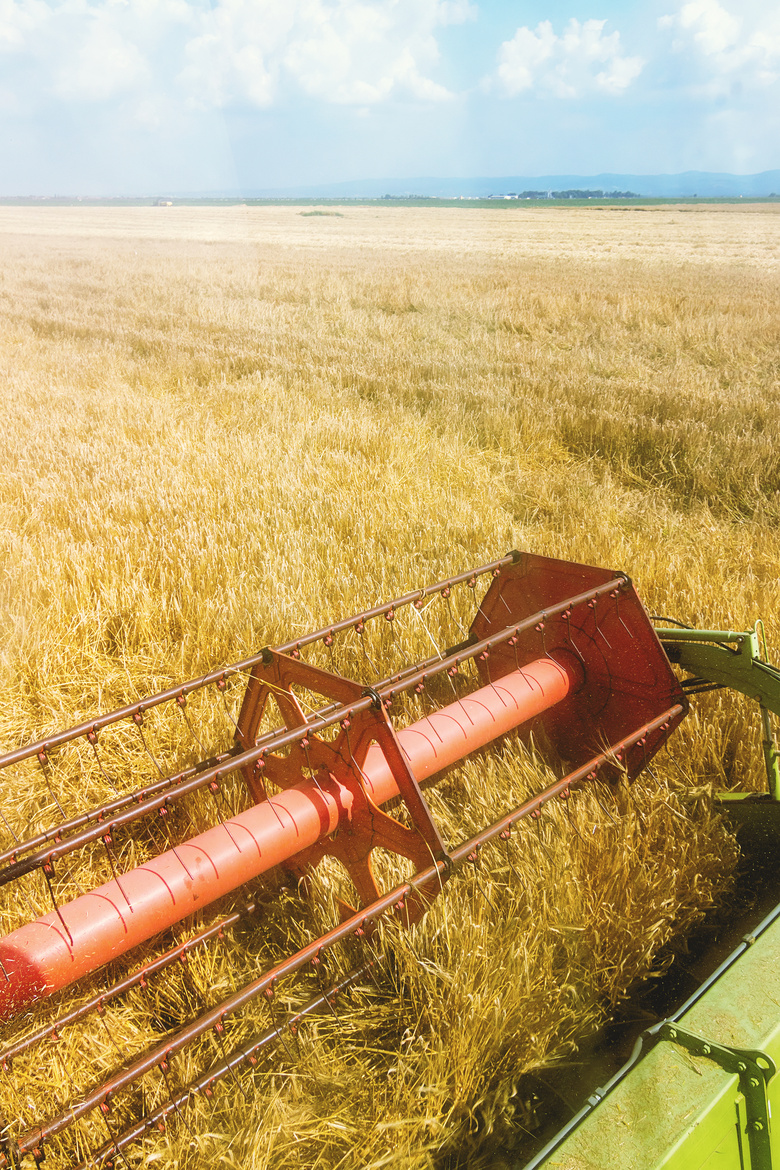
(506, 837)
(115, 1149)
(181, 706)
(45, 765)
(164, 1068)
(92, 740)
(10, 830)
(474, 859)
(138, 722)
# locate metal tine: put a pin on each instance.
(359, 629)
(352, 762)
(616, 596)
(219, 1031)
(216, 930)
(603, 807)
(20, 885)
(390, 617)
(502, 598)
(101, 1014)
(643, 744)
(565, 796)
(92, 739)
(171, 843)
(47, 869)
(116, 1150)
(196, 684)
(193, 780)
(233, 807)
(485, 657)
(11, 833)
(537, 816)
(446, 594)
(269, 996)
(164, 1066)
(542, 627)
(593, 605)
(181, 703)
(99, 812)
(327, 641)
(451, 675)
(364, 934)
(45, 764)
(138, 720)
(474, 859)
(304, 743)
(472, 584)
(454, 671)
(107, 840)
(221, 685)
(257, 772)
(506, 837)
(567, 616)
(418, 605)
(359, 921)
(514, 642)
(205, 1082)
(124, 800)
(102, 1159)
(216, 790)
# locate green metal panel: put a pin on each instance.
(679, 1109)
(707, 654)
(674, 1111)
(702, 1098)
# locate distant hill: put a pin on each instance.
(702, 183)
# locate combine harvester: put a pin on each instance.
(311, 758)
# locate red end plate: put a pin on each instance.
(628, 678)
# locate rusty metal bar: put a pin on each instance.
(58, 948)
(119, 988)
(94, 725)
(245, 1052)
(101, 812)
(395, 899)
(318, 722)
(104, 811)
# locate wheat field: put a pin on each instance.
(225, 427)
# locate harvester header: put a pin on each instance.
(318, 764)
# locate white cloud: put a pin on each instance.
(361, 54)
(215, 53)
(104, 64)
(455, 11)
(724, 49)
(233, 52)
(583, 59)
(20, 20)
(714, 29)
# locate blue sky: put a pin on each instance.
(137, 96)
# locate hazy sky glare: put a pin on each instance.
(132, 96)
